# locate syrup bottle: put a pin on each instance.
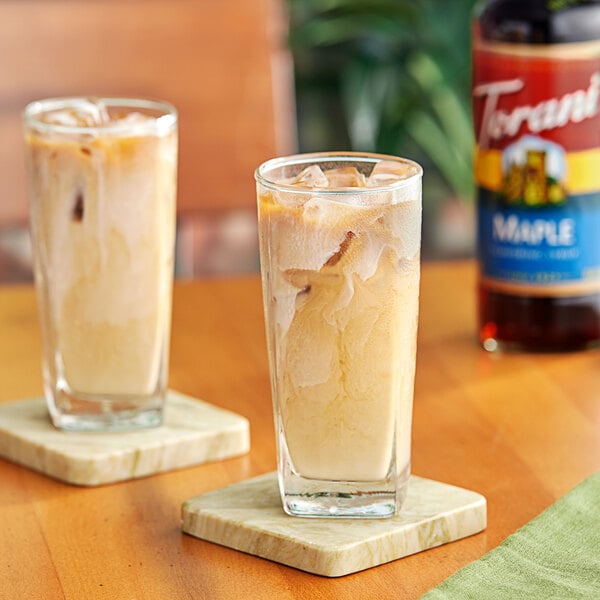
(536, 110)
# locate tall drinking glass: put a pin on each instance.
(339, 248)
(102, 186)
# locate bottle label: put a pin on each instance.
(537, 166)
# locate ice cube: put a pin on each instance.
(311, 177)
(67, 118)
(93, 110)
(130, 119)
(328, 212)
(81, 112)
(345, 177)
(386, 172)
(405, 229)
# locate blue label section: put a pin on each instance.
(543, 245)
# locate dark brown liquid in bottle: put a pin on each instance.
(531, 322)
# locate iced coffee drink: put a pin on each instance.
(102, 187)
(340, 242)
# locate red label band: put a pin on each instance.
(519, 91)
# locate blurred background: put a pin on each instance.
(252, 79)
(393, 76)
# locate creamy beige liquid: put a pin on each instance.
(103, 222)
(341, 305)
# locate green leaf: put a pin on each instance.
(396, 78)
(434, 142)
(365, 89)
(453, 115)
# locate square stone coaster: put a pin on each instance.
(248, 516)
(193, 432)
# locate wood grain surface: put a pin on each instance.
(521, 429)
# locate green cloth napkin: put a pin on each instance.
(555, 556)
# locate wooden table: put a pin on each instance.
(521, 429)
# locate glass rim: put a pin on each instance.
(159, 124)
(349, 156)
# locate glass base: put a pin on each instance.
(303, 497)
(107, 413)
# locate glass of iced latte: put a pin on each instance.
(102, 187)
(339, 247)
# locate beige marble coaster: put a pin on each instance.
(193, 432)
(247, 516)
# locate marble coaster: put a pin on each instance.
(193, 432)
(247, 516)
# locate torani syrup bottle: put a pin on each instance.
(536, 102)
